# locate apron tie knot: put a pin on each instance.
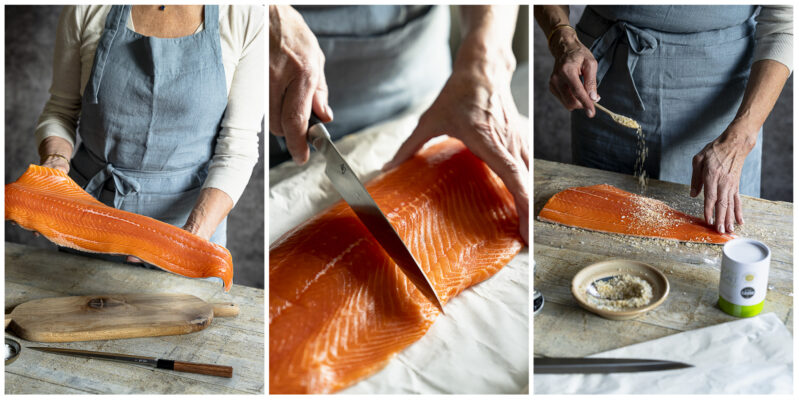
(123, 185)
(639, 42)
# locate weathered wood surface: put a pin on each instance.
(562, 328)
(112, 316)
(238, 341)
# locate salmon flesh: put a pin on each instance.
(340, 308)
(47, 201)
(605, 208)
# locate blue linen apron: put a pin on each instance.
(379, 60)
(680, 71)
(150, 115)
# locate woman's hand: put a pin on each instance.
(55, 152)
(573, 60)
(717, 168)
(296, 80)
(211, 208)
(476, 107)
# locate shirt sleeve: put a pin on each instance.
(236, 151)
(60, 115)
(774, 35)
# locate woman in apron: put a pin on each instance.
(693, 78)
(369, 63)
(165, 129)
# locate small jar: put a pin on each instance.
(744, 277)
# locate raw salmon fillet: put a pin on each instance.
(340, 308)
(47, 201)
(605, 208)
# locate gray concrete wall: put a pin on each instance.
(552, 138)
(30, 34)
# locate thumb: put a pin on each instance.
(412, 144)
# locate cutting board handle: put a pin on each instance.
(225, 309)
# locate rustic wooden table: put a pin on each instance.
(562, 328)
(33, 273)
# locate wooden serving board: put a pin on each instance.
(113, 316)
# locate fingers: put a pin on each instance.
(295, 115)
(524, 154)
(562, 93)
(578, 91)
(710, 200)
(739, 212)
(731, 212)
(513, 174)
(132, 259)
(589, 79)
(696, 175)
(722, 203)
(320, 105)
(424, 131)
(276, 93)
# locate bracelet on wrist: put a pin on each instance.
(555, 29)
(48, 156)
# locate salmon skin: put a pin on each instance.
(47, 201)
(340, 308)
(605, 208)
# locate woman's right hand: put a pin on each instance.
(573, 60)
(296, 80)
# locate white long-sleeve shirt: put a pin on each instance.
(774, 35)
(241, 39)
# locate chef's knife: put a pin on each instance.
(354, 193)
(205, 369)
(563, 365)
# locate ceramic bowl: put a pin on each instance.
(605, 269)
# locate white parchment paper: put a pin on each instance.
(481, 344)
(747, 356)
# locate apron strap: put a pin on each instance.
(123, 185)
(113, 21)
(639, 42)
(211, 17)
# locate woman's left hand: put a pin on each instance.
(717, 168)
(476, 107)
(189, 227)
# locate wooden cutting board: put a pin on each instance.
(113, 316)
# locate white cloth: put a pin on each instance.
(774, 35)
(241, 39)
(481, 344)
(746, 356)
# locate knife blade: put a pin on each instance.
(182, 366)
(358, 198)
(581, 365)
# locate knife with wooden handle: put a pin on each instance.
(182, 366)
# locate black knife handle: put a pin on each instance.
(313, 120)
(196, 368)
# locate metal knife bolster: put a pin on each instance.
(358, 198)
